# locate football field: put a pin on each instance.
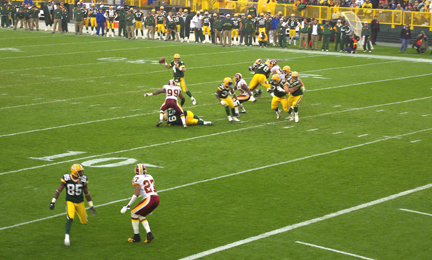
(350, 180)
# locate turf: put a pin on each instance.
(364, 134)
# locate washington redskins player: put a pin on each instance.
(245, 93)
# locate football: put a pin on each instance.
(162, 60)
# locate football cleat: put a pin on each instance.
(193, 101)
(243, 111)
(184, 126)
(291, 117)
(159, 123)
(296, 118)
(149, 238)
(278, 113)
(140, 169)
(235, 119)
(135, 238)
(230, 118)
(258, 93)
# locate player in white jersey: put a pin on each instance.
(277, 70)
(245, 93)
(172, 91)
(144, 185)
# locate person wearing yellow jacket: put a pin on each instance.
(262, 39)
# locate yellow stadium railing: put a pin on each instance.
(417, 19)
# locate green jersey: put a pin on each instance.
(57, 14)
(138, 16)
(34, 12)
(74, 190)
(292, 24)
(225, 91)
(346, 30)
(294, 84)
(173, 117)
(264, 69)
(177, 20)
(261, 23)
(93, 12)
(281, 29)
(206, 21)
(326, 29)
(129, 19)
(227, 24)
(278, 89)
(79, 15)
(236, 23)
(160, 19)
(366, 31)
(149, 21)
(177, 72)
(110, 14)
(218, 24)
(122, 15)
(85, 12)
(65, 14)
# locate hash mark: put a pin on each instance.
(336, 133)
(363, 135)
(415, 141)
(310, 130)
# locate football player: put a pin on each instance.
(139, 23)
(245, 93)
(111, 16)
(172, 91)
(262, 72)
(143, 184)
(292, 24)
(280, 90)
(287, 73)
(206, 26)
(76, 184)
(235, 29)
(85, 17)
(173, 118)
(179, 69)
(93, 12)
(223, 96)
(296, 88)
(160, 23)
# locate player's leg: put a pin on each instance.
(284, 102)
(70, 214)
(263, 81)
(176, 106)
(296, 104)
(185, 90)
(274, 106)
(290, 105)
(135, 226)
(232, 106)
(81, 212)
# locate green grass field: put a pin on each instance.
(258, 189)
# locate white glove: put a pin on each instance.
(252, 99)
(124, 209)
(223, 103)
(147, 94)
(303, 88)
(236, 103)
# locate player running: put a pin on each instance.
(179, 69)
(223, 96)
(172, 92)
(296, 88)
(245, 93)
(280, 90)
(262, 72)
(144, 185)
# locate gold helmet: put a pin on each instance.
(77, 172)
(276, 78)
(206, 13)
(227, 82)
(162, 7)
(214, 14)
(185, 11)
(153, 10)
(93, 5)
(295, 74)
(176, 57)
(140, 169)
(287, 69)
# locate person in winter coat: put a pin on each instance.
(405, 36)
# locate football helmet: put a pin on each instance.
(276, 78)
(227, 82)
(185, 11)
(237, 77)
(258, 61)
(140, 169)
(295, 74)
(215, 14)
(287, 69)
(177, 57)
(206, 13)
(235, 15)
(111, 7)
(77, 172)
(171, 82)
(272, 63)
(162, 7)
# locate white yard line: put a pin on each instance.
(305, 223)
(334, 250)
(353, 66)
(418, 212)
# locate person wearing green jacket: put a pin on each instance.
(366, 33)
(218, 29)
(65, 18)
(26, 12)
(79, 15)
(122, 22)
(57, 15)
(345, 31)
(227, 27)
(4, 14)
(149, 24)
(304, 31)
(249, 28)
(19, 17)
(34, 18)
(281, 32)
(326, 31)
(130, 25)
(338, 35)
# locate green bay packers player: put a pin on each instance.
(138, 23)
(292, 24)
(160, 23)
(76, 185)
(262, 72)
(85, 17)
(287, 73)
(261, 24)
(280, 90)
(223, 96)
(111, 15)
(235, 29)
(93, 12)
(173, 118)
(143, 184)
(179, 69)
(206, 26)
(296, 89)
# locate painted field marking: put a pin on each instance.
(305, 223)
(334, 250)
(403, 113)
(363, 135)
(337, 106)
(415, 141)
(95, 105)
(336, 133)
(145, 114)
(418, 212)
(310, 130)
(425, 115)
(380, 110)
(286, 127)
(345, 67)
(371, 82)
(274, 232)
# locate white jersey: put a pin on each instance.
(239, 85)
(146, 184)
(277, 70)
(172, 92)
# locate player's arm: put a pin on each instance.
(285, 87)
(157, 92)
(217, 95)
(182, 99)
(89, 199)
(168, 65)
(56, 195)
(134, 197)
(302, 85)
(246, 89)
(183, 68)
